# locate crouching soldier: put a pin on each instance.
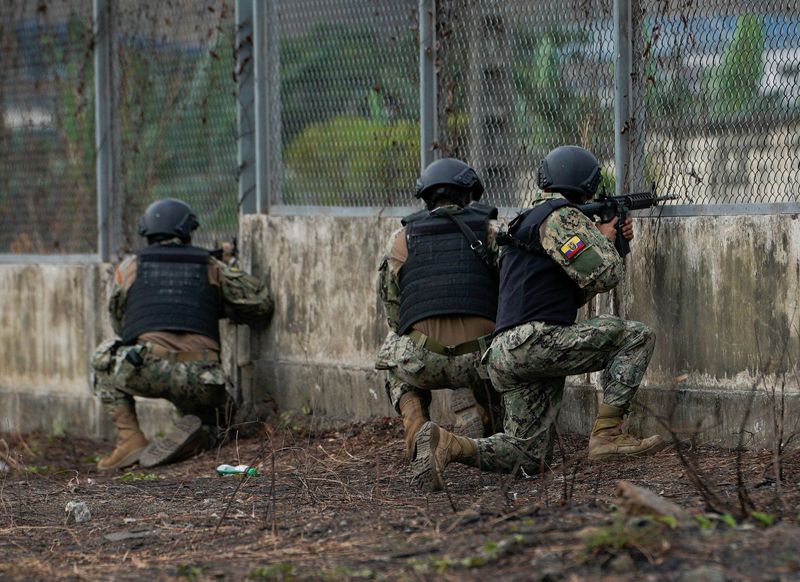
(165, 305)
(438, 284)
(556, 260)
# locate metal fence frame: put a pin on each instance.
(260, 162)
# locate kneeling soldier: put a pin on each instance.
(556, 260)
(438, 283)
(166, 304)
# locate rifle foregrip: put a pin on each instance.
(641, 200)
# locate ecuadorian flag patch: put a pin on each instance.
(573, 247)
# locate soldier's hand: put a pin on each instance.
(228, 255)
(627, 228)
(609, 229)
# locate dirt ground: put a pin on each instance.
(335, 504)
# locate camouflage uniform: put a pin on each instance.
(528, 364)
(412, 368)
(194, 387)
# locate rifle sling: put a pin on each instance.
(474, 242)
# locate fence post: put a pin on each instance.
(245, 90)
(109, 205)
(622, 92)
(628, 105)
(636, 171)
(267, 104)
(427, 82)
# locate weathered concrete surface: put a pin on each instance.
(48, 325)
(51, 319)
(721, 293)
(328, 324)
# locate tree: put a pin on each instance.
(733, 85)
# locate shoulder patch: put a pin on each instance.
(573, 247)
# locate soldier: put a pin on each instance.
(556, 261)
(165, 305)
(438, 283)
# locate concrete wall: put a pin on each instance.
(51, 318)
(721, 293)
(48, 325)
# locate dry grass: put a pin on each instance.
(336, 504)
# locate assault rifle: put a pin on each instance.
(227, 252)
(606, 207)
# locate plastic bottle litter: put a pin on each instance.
(237, 470)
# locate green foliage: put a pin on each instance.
(130, 476)
(490, 551)
(349, 158)
(554, 111)
(728, 519)
(189, 572)
(704, 523)
(668, 520)
(765, 519)
(667, 94)
(733, 85)
(59, 427)
(335, 70)
(52, 161)
(344, 573)
(281, 571)
(178, 131)
(644, 534)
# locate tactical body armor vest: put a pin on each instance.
(445, 273)
(172, 293)
(533, 287)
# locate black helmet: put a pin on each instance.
(452, 173)
(570, 170)
(169, 217)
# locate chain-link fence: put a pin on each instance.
(349, 99)
(176, 91)
(174, 112)
(47, 178)
(516, 79)
(721, 100)
(716, 89)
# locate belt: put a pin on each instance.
(430, 344)
(162, 352)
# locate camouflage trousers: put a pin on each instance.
(197, 388)
(528, 365)
(411, 368)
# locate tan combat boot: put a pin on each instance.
(470, 416)
(608, 441)
(434, 449)
(130, 440)
(414, 414)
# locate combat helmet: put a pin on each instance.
(570, 170)
(168, 217)
(448, 174)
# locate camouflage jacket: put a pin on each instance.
(598, 268)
